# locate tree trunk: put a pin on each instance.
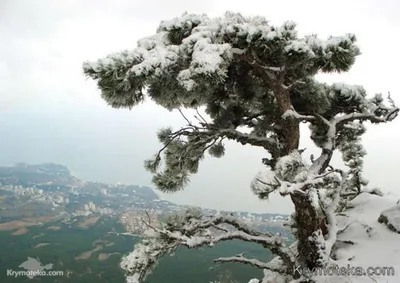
(307, 217)
(308, 224)
(290, 127)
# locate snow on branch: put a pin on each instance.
(293, 114)
(243, 138)
(244, 232)
(373, 110)
(284, 187)
(252, 262)
(190, 55)
(329, 202)
(144, 258)
(390, 113)
(193, 230)
(390, 116)
(292, 175)
(230, 220)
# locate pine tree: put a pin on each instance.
(246, 73)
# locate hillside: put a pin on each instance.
(81, 228)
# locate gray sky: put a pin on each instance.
(50, 113)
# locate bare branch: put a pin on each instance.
(227, 219)
(392, 113)
(198, 113)
(252, 262)
(294, 114)
(297, 82)
(196, 228)
(391, 101)
(265, 183)
(324, 174)
(341, 231)
(233, 134)
(219, 228)
(331, 169)
(259, 62)
(183, 115)
(273, 243)
(148, 216)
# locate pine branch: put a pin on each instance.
(336, 123)
(213, 132)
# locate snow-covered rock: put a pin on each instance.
(391, 217)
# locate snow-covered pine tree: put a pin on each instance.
(246, 73)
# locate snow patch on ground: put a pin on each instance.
(374, 244)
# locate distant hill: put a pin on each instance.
(28, 175)
(55, 182)
(143, 192)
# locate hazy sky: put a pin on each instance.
(49, 112)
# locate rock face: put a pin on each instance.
(391, 218)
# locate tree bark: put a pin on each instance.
(308, 224)
(307, 216)
(290, 127)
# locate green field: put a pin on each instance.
(70, 241)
